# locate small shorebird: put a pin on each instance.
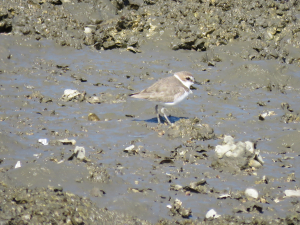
(168, 91)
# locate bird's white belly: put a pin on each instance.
(179, 99)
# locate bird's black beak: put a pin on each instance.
(195, 82)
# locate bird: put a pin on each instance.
(168, 91)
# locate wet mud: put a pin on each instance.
(76, 149)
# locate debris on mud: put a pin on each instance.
(211, 214)
(18, 165)
(189, 128)
(49, 205)
(290, 117)
(245, 52)
(116, 24)
(177, 209)
(63, 141)
(96, 192)
(236, 156)
(292, 193)
(132, 150)
(94, 100)
(97, 174)
(93, 117)
(262, 116)
(43, 141)
(198, 187)
(73, 95)
(79, 153)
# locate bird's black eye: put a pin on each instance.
(188, 78)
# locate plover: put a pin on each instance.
(168, 91)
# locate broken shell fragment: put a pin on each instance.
(131, 150)
(18, 165)
(43, 141)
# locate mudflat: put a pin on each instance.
(76, 149)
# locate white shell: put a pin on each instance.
(212, 214)
(129, 148)
(292, 193)
(251, 192)
(43, 141)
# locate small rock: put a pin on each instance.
(79, 152)
(198, 187)
(176, 187)
(261, 103)
(70, 95)
(93, 117)
(94, 100)
(165, 161)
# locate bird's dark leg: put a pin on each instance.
(157, 114)
(163, 112)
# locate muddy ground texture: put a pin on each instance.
(76, 149)
(266, 29)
